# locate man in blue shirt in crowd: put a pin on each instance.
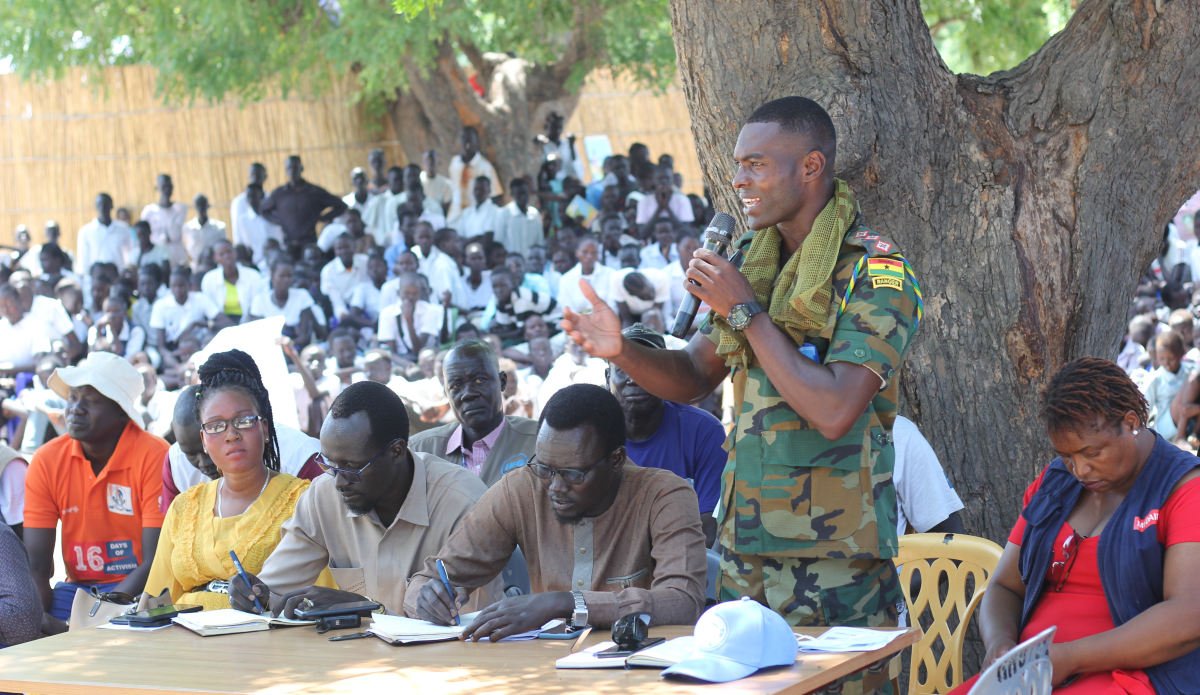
(679, 438)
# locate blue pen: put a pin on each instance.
(242, 573)
(446, 581)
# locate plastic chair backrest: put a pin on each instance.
(959, 557)
(1025, 669)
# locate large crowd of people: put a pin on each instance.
(481, 371)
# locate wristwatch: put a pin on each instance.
(579, 617)
(740, 315)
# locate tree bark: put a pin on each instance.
(1029, 202)
(518, 95)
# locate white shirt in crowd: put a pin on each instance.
(676, 278)
(427, 319)
(12, 492)
(197, 238)
(253, 230)
(295, 449)
(134, 338)
(32, 261)
(100, 243)
(478, 219)
(329, 235)
(569, 293)
(365, 296)
(462, 180)
(658, 279)
(52, 313)
(924, 497)
(19, 342)
(380, 216)
(239, 207)
(166, 228)
(158, 254)
(353, 204)
(518, 231)
(174, 318)
(263, 305)
(328, 384)
(438, 189)
(679, 204)
(652, 257)
(338, 281)
(1131, 356)
(249, 283)
(571, 164)
(474, 298)
(440, 269)
(565, 372)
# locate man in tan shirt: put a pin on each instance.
(602, 537)
(373, 521)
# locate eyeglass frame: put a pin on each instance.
(352, 476)
(563, 471)
(1070, 548)
(254, 419)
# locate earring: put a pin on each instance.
(1135, 433)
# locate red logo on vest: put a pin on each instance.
(883, 246)
(1140, 524)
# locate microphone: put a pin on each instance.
(717, 239)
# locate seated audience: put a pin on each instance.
(23, 337)
(1106, 547)
(412, 323)
(114, 333)
(1182, 322)
(13, 467)
(582, 513)
(1164, 382)
(244, 507)
(364, 303)
(20, 609)
(372, 521)
(663, 252)
(437, 267)
(313, 388)
(634, 292)
(102, 481)
(282, 298)
(437, 187)
(201, 233)
(377, 367)
(482, 216)
(146, 251)
(230, 286)
(925, 502)
(150, 280)
(48, 310)
(473, 292)
(413, 202)
(518, 225)
(340, 276)
(515, 304)
(686, 244)
(1133, 351)
(573, 366)
(183, 314)
(53, 262)
(484, 440)
(588, 268)
(664, 202)
(389, 293)
(679, 438)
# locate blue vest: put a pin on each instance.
(1129, 554)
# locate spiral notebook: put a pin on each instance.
(229, 621)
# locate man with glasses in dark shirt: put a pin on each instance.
(297, 206)
(402, 506)
(602, 537)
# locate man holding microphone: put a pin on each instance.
(814, 327)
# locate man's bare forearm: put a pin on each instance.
(681, 376)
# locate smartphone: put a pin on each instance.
(315, 612)
(616, 651)
(158, 616)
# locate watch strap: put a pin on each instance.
(579, 617)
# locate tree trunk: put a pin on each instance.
(1029, 202)
(518, 95)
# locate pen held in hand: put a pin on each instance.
(441, 568)
(242, 573)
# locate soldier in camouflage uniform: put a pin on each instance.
(808, 508)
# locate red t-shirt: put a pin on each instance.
(102, 515)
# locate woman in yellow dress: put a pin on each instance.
(243, 509)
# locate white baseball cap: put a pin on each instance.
(735, 639)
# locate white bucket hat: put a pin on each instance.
(109, 374)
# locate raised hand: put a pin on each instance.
(598, 333)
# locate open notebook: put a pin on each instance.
(397, 630)
(660, 655)
(228, 621)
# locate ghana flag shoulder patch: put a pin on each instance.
(885, 272)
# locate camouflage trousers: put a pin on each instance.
(816, 592)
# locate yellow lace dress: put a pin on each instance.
(193, 548)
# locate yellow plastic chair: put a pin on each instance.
(958, 556)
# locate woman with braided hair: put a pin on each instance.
(1107, 548)
(244, 508)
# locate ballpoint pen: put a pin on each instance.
(446, 580)
(246, 578)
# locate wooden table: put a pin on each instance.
(299, 661)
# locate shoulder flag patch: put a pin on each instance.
(885, 272)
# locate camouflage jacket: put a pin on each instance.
(786, 490)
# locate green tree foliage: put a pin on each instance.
(208, 49)
(983, 36)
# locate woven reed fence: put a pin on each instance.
(63, 142)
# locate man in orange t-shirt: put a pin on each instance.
(102, 481)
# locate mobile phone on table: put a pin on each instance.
(616, 651)
(359, 607)
(160, 616)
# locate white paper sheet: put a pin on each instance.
(848, 639)
(257, 339)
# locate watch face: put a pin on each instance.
(739, 316)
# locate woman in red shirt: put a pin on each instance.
(1096, 420)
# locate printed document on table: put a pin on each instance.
(848, 639)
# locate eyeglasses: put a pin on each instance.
(351, 475)
(244, 422)
(570, 476)
(1059, 571)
